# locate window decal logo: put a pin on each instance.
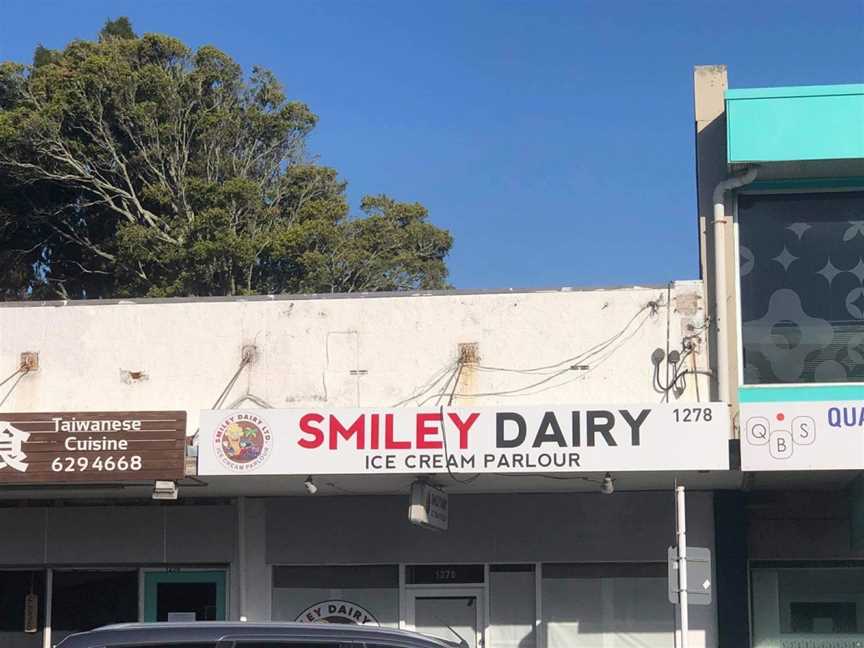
(337, 611)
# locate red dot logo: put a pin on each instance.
(780, 416)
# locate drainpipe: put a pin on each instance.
(722, 294)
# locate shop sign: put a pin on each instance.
(429, 507)
(337, 611)
(591, 438)
(802, 435)
(58, 447)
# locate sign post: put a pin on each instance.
(681, 533)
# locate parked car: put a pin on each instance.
(223, 634)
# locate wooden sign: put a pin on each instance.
(58, 447)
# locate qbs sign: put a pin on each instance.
(58, 447)
(467, 440)
(802, 435)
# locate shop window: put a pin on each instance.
(606, 605)
(443, 574)
(83, 600)
(512, 608)
(802, 287)
(15, 588)
(820, 607)
(367, 594)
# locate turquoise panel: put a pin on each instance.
(799, 123)
(799, 393)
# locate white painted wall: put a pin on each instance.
(351, 351)
(343, 351)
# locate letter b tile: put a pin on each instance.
(780, 444)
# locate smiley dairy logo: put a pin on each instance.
(243, 442)
(781, 434)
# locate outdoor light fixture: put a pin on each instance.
(311, 488)
(165, 490)
(607, 486)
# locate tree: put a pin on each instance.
(135, 166)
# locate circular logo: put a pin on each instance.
(337, 611)
(243, 442)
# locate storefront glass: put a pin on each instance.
(802, 300)
(83, 600)
(368, 593)
(606, 606)
(512, 607)
(15, 588)
(808, 606)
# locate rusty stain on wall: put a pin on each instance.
(130, 377)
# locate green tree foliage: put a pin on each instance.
(120, 28)
(135, 166)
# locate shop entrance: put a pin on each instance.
(451, 613)
(184, 596)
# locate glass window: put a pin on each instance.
(15, 587)
(443, 574)
(605, 605)
(802, 287)
(512, 608)
(823, 605)
(83, 600)
(366, 594)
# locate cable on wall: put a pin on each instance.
(452, 475)
(20, 373)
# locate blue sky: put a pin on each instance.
(553, 139)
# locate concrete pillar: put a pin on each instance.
(709, 88)
(250, 581)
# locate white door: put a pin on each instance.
(451, 613)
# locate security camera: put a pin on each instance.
(607, 486)
(311, 488)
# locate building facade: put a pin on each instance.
(254, 458)
(529, 531)
(793, 255)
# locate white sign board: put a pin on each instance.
(802, 436)
(429, 507)
(591, 438)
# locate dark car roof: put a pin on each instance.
(213, 631)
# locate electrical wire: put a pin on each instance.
(12, 375)
(676, 375)
(230, 385)
(458, 480)
(430, 385)
(597, 349)
(696, 378)
(583, 375)
(652, 305)
(668, 331)
(21, 375)
(221, 399)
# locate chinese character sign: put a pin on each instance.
(11, 451)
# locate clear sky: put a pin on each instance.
(553, 139)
